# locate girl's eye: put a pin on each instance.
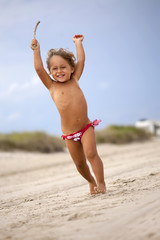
(54, 69)
(63, 67)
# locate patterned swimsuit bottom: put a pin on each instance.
(77, 135)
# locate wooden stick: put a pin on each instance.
(34, 33)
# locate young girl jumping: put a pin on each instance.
(78, 130)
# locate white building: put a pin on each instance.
(149, 126)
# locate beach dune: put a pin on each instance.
(43, 197)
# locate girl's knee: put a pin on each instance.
(80, 164)
(91, 154)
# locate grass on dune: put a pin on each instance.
(30, 141)
(42, 142)
(121, 134)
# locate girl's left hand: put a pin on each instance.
(78, 37)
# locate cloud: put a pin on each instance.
(13, 116)
(10, 117)
(18, 90)
(17, 87)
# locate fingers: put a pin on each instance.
(34, 44)
(78, 37)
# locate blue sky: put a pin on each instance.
(121, 79)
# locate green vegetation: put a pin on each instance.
(42, 142)
(30, 141)
(121, 134)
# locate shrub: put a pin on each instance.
(30, 141)
(121, 134)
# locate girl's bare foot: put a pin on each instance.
(100, 188)
(92, 186)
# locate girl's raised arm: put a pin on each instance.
(38, 64)
(77, 39)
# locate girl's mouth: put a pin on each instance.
(60, 75)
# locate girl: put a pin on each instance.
(78, 130)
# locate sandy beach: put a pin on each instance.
(43, 197)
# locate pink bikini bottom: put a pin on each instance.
(77, 135)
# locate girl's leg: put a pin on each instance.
(77, 154)
(89, 146)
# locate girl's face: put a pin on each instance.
(60, 69)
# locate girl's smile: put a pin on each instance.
(60, 69)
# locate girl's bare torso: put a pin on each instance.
(71, 105)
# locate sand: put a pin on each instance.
(42, 196)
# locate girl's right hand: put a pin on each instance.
(77, 37)
(34, 44)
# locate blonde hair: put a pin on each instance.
(67, 55)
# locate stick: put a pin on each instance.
(34, 33)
